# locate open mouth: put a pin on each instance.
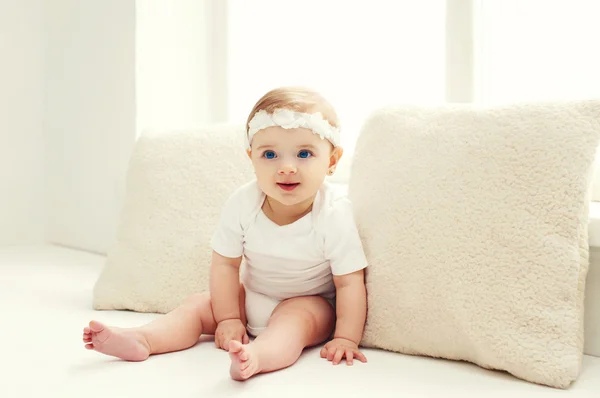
(288, 186)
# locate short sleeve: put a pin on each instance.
(228, 237)
(343, 247)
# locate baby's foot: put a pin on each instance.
(244, 361)
(127, 344)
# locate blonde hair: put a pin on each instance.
(298, 99)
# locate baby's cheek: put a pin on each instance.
(323, 166)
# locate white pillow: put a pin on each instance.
(177, 184)
(474, 222)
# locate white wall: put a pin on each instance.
(113, 69)
(181, 73)
(89, 52)
(68, 106)
(21, 138)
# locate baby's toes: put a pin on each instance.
(244, 365)
(246, 373)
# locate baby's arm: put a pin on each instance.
(228, 249)
(224, 292)
(351, 306)
(343, 248)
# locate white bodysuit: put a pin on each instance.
(281, 262)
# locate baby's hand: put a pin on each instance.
(230, 329)
(339, 348)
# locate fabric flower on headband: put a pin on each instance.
(289, 119)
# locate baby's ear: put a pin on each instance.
(336, 155)
(249, 153)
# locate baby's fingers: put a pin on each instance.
(349, 357)
(223, 341)
(360, 356)
(331, 353)
(323, 352)
(338, 356)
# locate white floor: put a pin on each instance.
(45, 299)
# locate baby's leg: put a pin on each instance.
(295, 324)
(177, 330)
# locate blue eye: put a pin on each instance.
(304, 154)
(269, 155)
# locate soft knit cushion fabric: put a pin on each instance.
(474, 222)
(177, 184)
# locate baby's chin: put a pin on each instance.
(290, 199)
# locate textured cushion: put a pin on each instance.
(474, 222)
(176, 186)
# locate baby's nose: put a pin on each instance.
(288, 169)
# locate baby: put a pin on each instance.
(290, 240)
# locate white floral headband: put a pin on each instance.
(289, 119)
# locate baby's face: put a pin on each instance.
(290, 164)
